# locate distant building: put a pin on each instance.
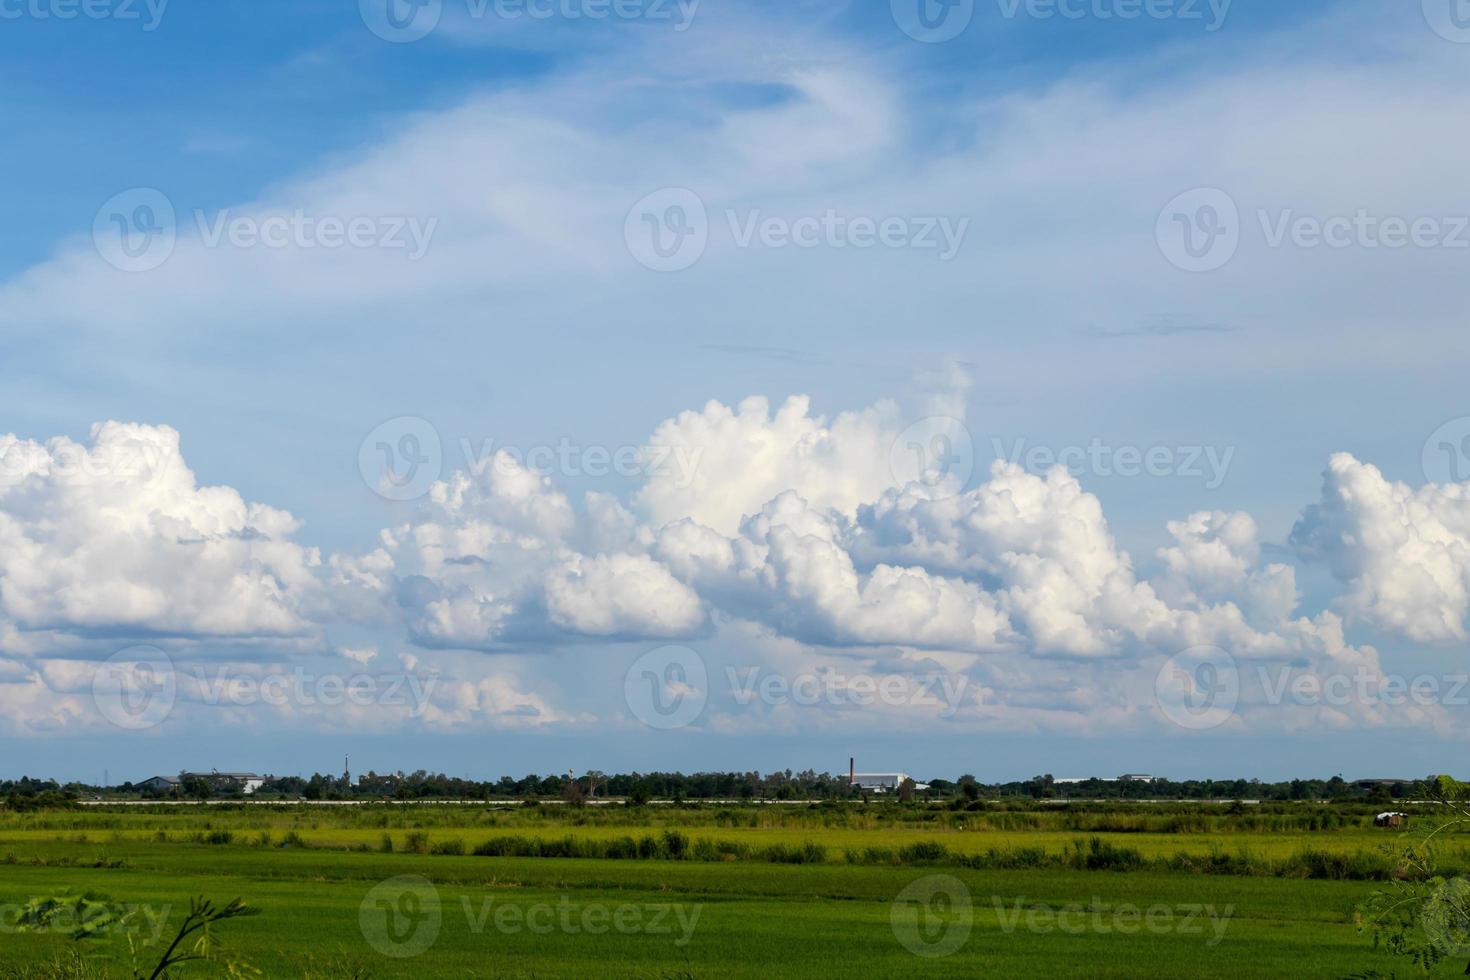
(227, 782)
(159, 784)
(883, 782)
(1135, 777)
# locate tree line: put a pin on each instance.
(642, 787)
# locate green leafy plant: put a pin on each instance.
(1423, 915)
(92, 916)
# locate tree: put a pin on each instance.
(906, 791)
(1424, 916)
(969, 788)
(197, 788)
(573, 794)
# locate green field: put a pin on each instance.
(822, 891)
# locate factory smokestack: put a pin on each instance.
(851, 770)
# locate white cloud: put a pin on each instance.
(1404, 553)
(116, 536)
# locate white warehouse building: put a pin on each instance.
(883, 782)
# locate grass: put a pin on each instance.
(1086, 904)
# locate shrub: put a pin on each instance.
(923, 852)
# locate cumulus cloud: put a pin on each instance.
(1403, 553)
(115, 536)
(1017, 584)
(747, 455)
(499, 558)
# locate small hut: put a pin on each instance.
(1390, 820)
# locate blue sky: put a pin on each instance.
(1062, 317)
